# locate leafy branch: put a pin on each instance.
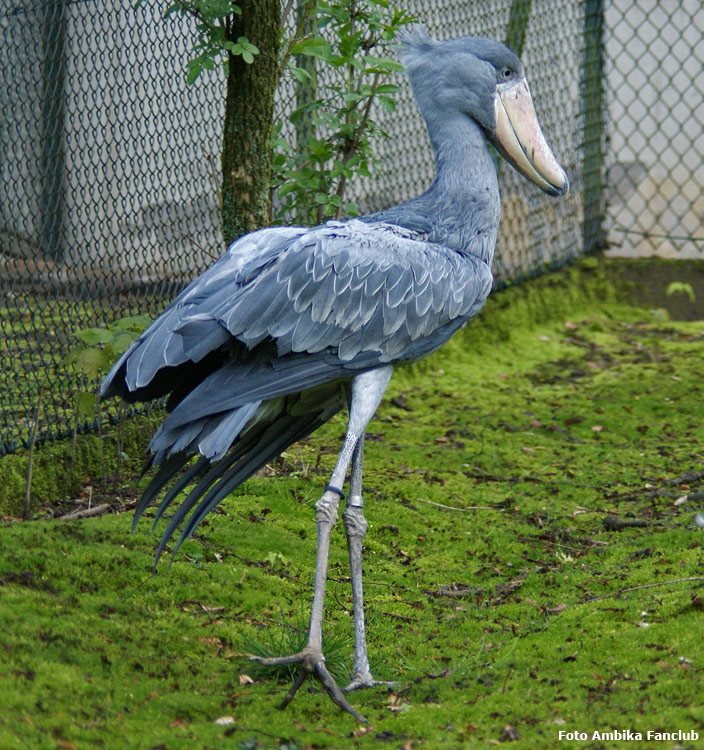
(215, 29)
(336, 55)
(100, 348)
(312, 173)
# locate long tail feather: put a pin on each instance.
(258, 457)
(231, 473)
(196, 470)
(196, 493)
(167, 470)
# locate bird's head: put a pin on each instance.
(483, 80)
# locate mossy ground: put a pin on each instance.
(510, 615)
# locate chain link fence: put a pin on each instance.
(108, 172)
(655, 58)
(109, 162)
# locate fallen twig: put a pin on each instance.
(644, 586)
(483, 476)
(457, 590)
(459, 510)
(687, 478)
(612, 522)
(643, 495)
(96, 510)
(207, 610)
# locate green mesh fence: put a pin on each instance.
(109, 162)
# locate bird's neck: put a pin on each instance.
(463, 199)
(463, 163)
(460, 209)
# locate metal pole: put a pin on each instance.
(593, 234)
(517, 25)
(53, 109)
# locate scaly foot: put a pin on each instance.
(312, 663)
(365, 680)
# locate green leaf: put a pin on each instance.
(192, 75)
(313, 47)
(286, 189)
(86, 404)
(248, 45)
(176, 7)
(387, 103)
(681, 287)
(300, 74)
(383, 64)
(387, 88)
(352, 97)
(122, 341)
(136, 323)
(91, 361)
(93, 336)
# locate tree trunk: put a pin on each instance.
(249, 113)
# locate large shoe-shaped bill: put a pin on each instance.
(521, 141)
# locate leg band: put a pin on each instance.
(355, 501)
(336, 490)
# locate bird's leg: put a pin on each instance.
(311, 658)
(367, 390)
(356, 529)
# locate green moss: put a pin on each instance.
(511, 613)
(94, 456)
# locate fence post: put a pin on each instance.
(517, 25)
(305, 94)
(593, 136)
(53, 110)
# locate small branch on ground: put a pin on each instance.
(459, 510)
(687, 478)
(673, 582)
(612, 522)
(97, 510)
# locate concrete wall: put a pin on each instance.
(655, 50)
(140, 147)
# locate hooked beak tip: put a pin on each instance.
(560, 190)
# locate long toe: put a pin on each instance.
(366, 681)
(312, 663)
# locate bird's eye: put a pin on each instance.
(507, 73)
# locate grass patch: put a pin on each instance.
(509, 615)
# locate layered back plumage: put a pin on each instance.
(289, 311)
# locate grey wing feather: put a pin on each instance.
(282, 312)
(162, 345)
(348, 288)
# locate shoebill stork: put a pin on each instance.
(294, 324)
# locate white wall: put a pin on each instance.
(141, 147)
(656, 107)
